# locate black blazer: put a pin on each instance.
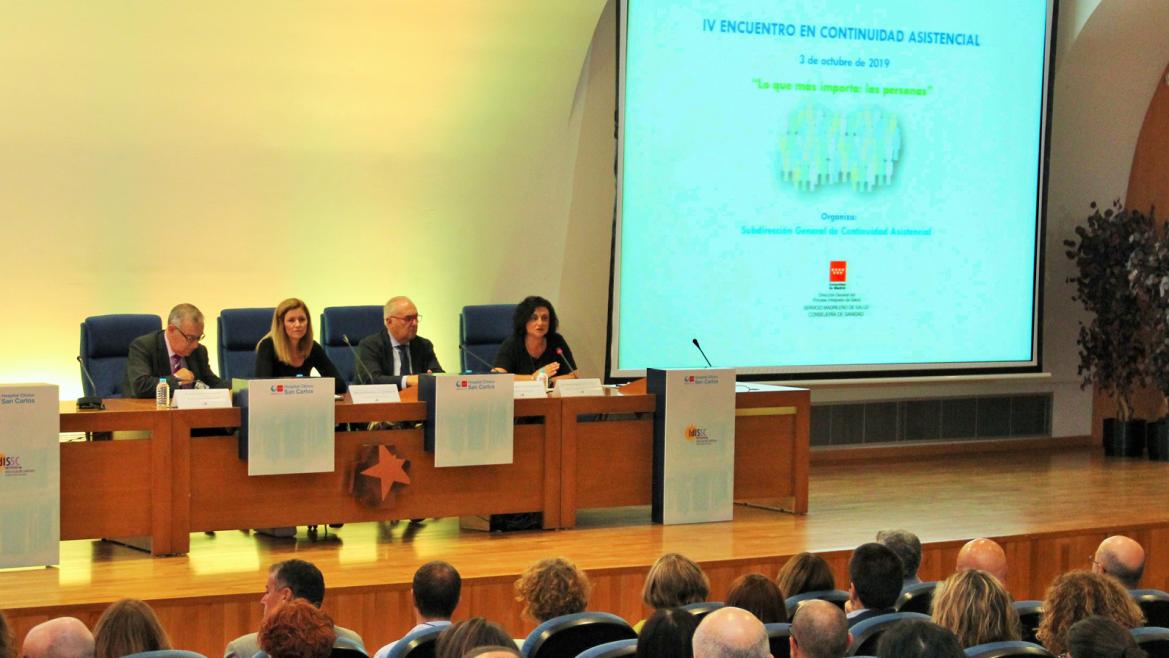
(149, 360)
(375, 353)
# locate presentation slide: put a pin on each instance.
(830, 186)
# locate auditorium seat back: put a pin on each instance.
(777, 637)
(617, 649)
(356, 322)
(867, 634)
(1155, 604)
(239, 331)
(837, 596)
(105, 346)
(165, 653)
(482, 329)
(916, 597)
(702, 608)
(1011, 649)
(417, 644)
(1030, 614)
(1154, 640)
(569, 635)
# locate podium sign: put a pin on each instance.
(289, 425)
(468, 418)
(30, 476)
(694, 445)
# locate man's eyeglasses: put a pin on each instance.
(191, 340)
(408, 319)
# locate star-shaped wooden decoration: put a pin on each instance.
(388, 470)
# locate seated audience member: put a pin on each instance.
(288, 580)
(1098, 637)
(297, 629)
(673, 581)
(534, 346)
(819, 630)
(1122, 558)
(398, 354)
(733, 632)
(7, 641)
(758, 595)
(288, 349)
(1079, 594)
(907, 547)
(803, 573)
(457, 640)
(984, 554)
(436, 595)
(493, 652)
(128, 626)
(875, 572)
(973, 605)
(667, 634)
(174, 353)
(918, 639)
(62, 637)
(551, 588)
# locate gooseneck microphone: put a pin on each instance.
(695, 341)
(464, 350)
(89, 401)
(357, 361)
(564, 360)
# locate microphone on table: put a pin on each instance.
(560, 353)
(695, 341)
(464, 350)
(357, 361)
(89, 401)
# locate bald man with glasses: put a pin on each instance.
(173, 353)
(398, 354)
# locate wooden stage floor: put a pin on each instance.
(1049, 510)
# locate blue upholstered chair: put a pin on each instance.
(702, 608)
(1154, 640)
(1155, 604)
(105, 345)
(777, 637)
(1030, 614)
(836, 596)
(239, 331)
(482, 329)
(866, 634)
(417, 644)
(1009, 649)
(569, 635)
(356, 322)
(618, 649)
(916, 597)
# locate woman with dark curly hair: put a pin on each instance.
(535, 348)
(128, 626)
(803, 573)
(1079, 594)
(460, 638)
(297, 629)
(976, 608)
(551, 588)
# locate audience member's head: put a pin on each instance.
(1079, 594)
(976, 608)
(1122, 558)
(436, 591)
(819, 630)
(297, 629)
(907, 547)
(552, 587)
(875, 572)
(1099, 637)
(494, 652)
(292, 579)
(918, 639)
(458, 639)
(984, 554)
(674, 581)
(7, 641)
(62, 637)
(758, 595)
(667, 633)
(128, 626)
(731, 633)
(805, 572)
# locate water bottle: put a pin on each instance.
(162, 394)
(542, 377)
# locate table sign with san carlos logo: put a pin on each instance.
(694, 445)
(468, 418)
(286, 425)
(30, 475)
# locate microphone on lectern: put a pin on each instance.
(695, 341)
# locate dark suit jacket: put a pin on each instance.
(149, 361)
(376, 355)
